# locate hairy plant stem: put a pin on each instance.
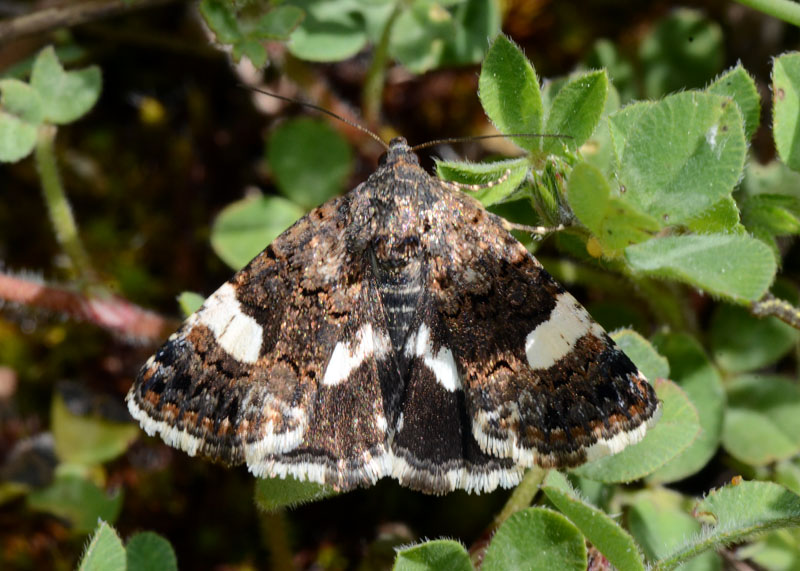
(522, 496)
(372, 93)
(769, 305)
(686, 553)
(786, 10)
(58, 206)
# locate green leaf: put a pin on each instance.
(21, 100)
(604, 533)
(741, 342)
(245, 227)
(659, 521)
(252, 50)
(598, 150)
(486, 173)
(694, 373)
(509, 92)
(20, 114)
(786, 108)
(589, 194)
(536, 538)
(682, 155)
(748, 507)
(642, 353)
(88, 439)
(244, 33)
(777, 551)
(17, 138)
(65, 95)
(773, 177)
(737, 512)
(147, 550)
(684, 50)
(279, 23)
(438, 34)
(720, 218)
(621, 123)
(275, 493)
(421, 46)
(332, 30)
(762, 423)
(739, 85)
(311, 161)
(76, 500)
(221, 18)
(190, 302)
(104, 552)
(576, 111)
(614, 223)
(732, 266)
(433, 556)
(787, 473)
(475, 21)
(673, 433)
(771, 214)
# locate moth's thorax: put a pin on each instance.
(401, 212)
(403, 206)
(398, 264)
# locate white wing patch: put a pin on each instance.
(442, 363)
(239, 334)
(553, 339)
(346, 357)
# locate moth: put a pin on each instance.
(397, 331)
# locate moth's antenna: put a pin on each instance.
(479, 137)
(321, 110)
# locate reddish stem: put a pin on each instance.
(112, 312)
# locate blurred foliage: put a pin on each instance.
(144, 551)
(679, 197)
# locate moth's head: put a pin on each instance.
(399, 152)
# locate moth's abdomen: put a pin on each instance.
(397, 267)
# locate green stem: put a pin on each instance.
(522, 496)
(372, 93)
(58, 206)
(786, 10)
